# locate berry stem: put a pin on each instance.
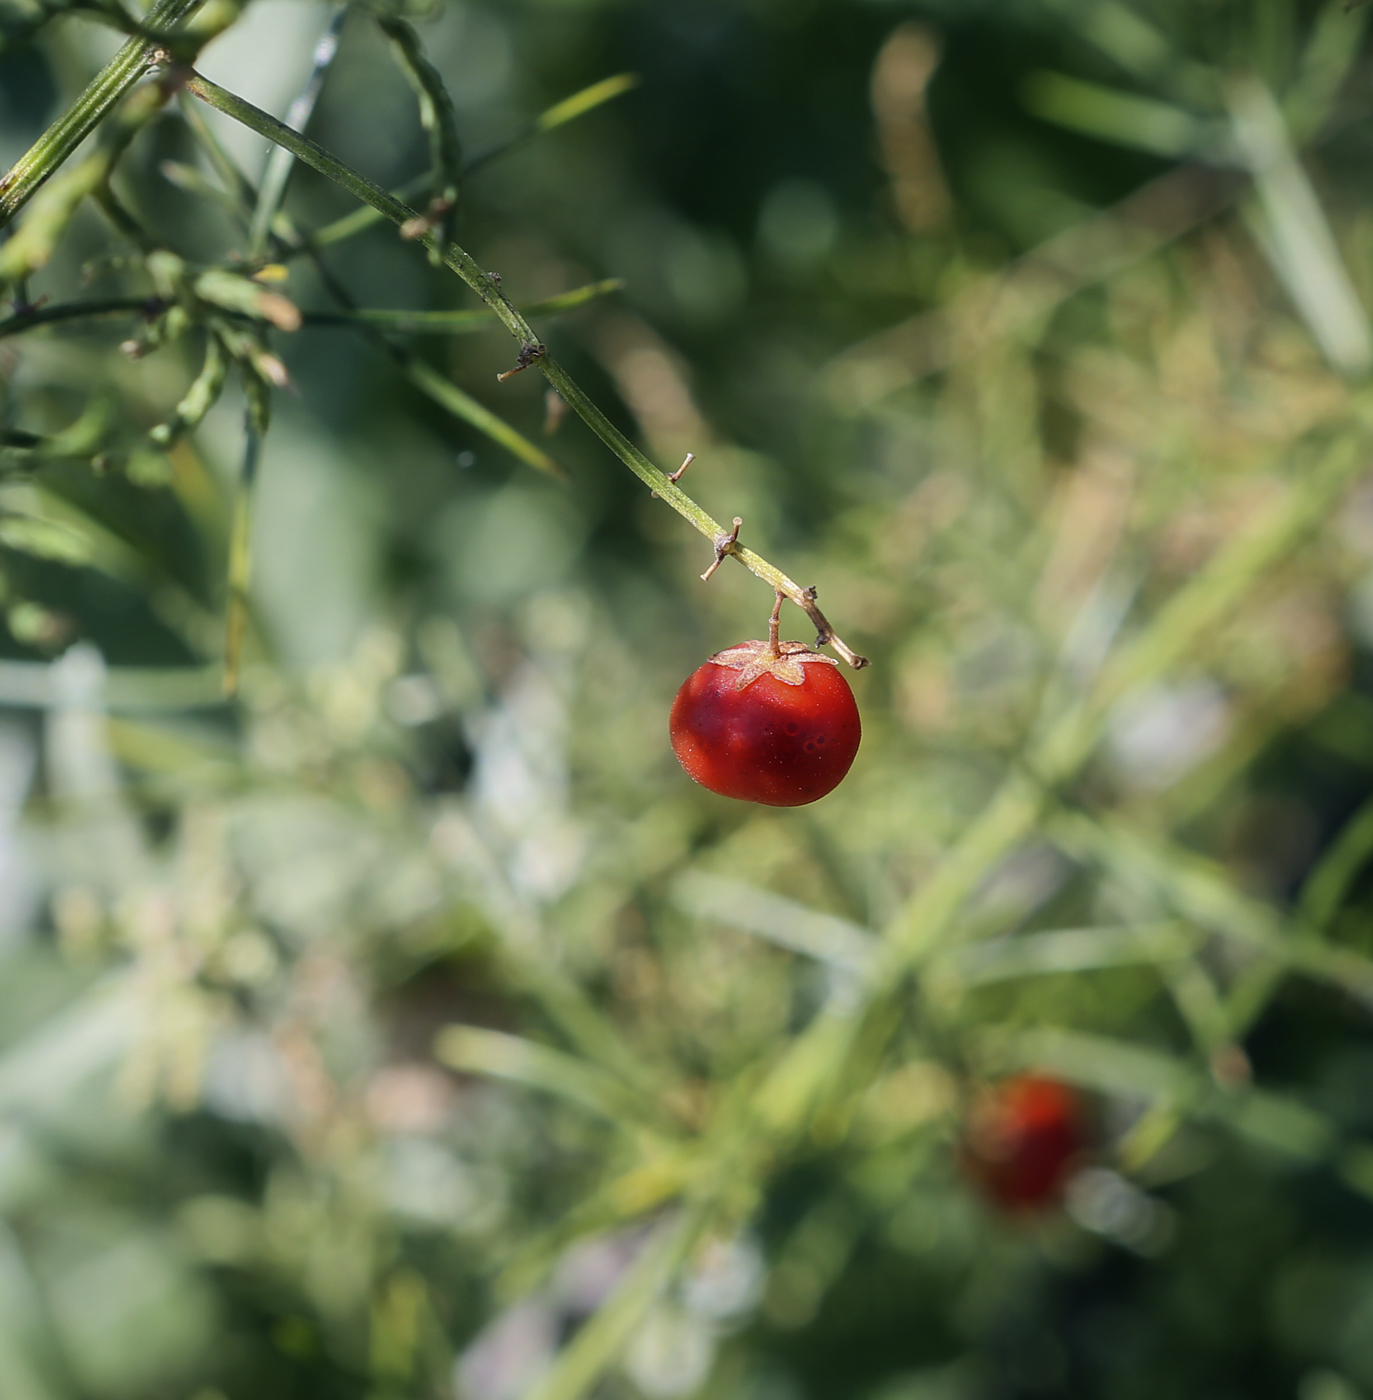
(774, 626)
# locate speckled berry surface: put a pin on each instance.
(771, 741)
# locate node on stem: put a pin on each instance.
(724, 544)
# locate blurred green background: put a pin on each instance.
(407, 1024)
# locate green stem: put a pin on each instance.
(531, 350)
(315, 156)
(279, 164)
(34, 242)
(560, 113)
(353, 223)
(433, 384)
(569, 109)
(459, 322)
(439, 121)
(132, 62)
(240, 571)
(237, 186)
(582, 1362)
(1327, 885)
(462, 405)
(72, 311)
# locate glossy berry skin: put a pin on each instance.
(1025, 1137)
(784, 737)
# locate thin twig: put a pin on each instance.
(30, 317)
(531, 351)
(238, 186)
(433, 384)
(577, 105)
(240, 545)
(440, 124)
(460, 322)
(676, 476)
(272, 187)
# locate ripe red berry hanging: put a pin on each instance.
(1025, 1136)
(771, 722)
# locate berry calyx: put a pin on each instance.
(783, 661)
(763, 722)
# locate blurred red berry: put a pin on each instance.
(1024, 1137)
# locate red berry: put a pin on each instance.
(767, 722)
(1024, 1137)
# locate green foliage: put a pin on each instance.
(382, 1013)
